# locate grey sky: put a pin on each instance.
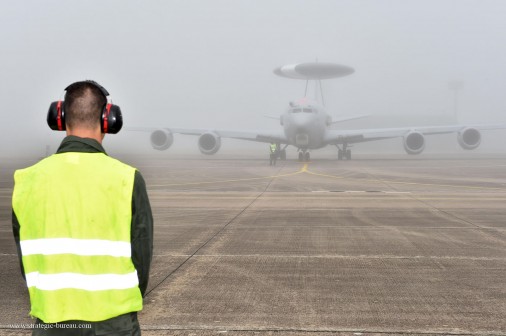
(209, 64)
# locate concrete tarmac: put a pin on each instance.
(355, 247)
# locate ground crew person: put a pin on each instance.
(273, 154)
(83, 226)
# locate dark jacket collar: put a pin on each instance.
(73, 143)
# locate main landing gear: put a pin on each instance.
(304, 156)
(343, 153)
(282, 153)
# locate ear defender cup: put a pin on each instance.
(56, 116)
(111, 119)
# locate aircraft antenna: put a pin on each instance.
(321, 92)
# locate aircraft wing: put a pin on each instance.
(335, 137)
(269, 136)
(261, 136)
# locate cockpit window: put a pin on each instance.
(305, 110)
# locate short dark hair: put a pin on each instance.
(83, 105)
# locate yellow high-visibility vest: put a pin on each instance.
(75, 211)
(273, 148)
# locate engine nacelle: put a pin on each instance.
(469, 138)
(414, 143)
(209, 143)
(161, 139)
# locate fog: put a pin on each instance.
(208, 64)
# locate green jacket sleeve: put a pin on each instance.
(15, 231)
(141, 232)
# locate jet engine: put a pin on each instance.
(469, 138)
(414, 143)
(209, 143)
(161, 139)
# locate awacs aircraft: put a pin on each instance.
(307, 126)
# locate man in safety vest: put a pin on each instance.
(83, 227)
(273, 154)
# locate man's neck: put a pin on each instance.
(87, 133)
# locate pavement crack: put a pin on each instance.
(216, 234)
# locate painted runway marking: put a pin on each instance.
(363, 227)
(404, 183)
(361, 191)
(302, 330)
(304, 170)
(234, 180)
(332, 256)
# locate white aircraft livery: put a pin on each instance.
(307, 126)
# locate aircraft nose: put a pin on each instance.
(301, 121)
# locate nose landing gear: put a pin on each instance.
(304, 156)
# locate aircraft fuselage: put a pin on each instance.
(305, 123)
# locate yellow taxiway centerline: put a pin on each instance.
(302, 170)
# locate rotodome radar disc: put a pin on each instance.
(313, 71)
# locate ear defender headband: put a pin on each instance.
(111, 119)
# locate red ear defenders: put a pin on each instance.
(111, 119)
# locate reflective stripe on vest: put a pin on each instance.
(76, 246)
(74, 211)
(81, 281)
